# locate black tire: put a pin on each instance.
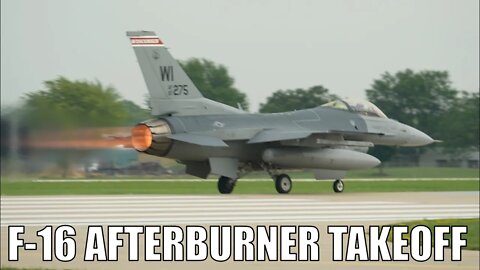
(338, 186)
(226, 184)
(283, 183)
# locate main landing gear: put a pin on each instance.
(338, 186)
(226, 184)
(283, 183)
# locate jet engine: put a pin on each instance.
(151, 137)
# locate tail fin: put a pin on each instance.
(171, 90)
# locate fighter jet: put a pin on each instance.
(212, 138)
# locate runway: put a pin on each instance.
(320, 210)
(165, 210)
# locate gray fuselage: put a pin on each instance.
(324, 123)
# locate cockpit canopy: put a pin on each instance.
(361, 107)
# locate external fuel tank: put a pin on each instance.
(314, 158)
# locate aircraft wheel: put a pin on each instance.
(338, 186)
(283, 183)
(226, 184)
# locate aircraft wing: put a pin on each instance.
(344, 132)
(275, 135)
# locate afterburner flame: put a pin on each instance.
(79, 139)
(141, 137)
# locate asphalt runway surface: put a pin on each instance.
(319, 210)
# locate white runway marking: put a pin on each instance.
(165, 210)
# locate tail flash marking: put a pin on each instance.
(146, 41)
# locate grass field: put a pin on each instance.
(452, 179)
(405, 172)
(401, 172)
(472, 237)
(209, 187)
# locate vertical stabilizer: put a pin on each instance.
(171, 90)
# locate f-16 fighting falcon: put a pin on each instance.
(213, 138)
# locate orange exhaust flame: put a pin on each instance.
(82, 144)
(81, 139)
(141, 137)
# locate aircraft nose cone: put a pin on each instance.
(418, 138)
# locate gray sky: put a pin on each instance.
(266, 45)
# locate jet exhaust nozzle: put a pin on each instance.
(151, 137)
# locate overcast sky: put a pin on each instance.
(266, 45)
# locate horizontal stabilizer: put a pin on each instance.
(273, 135)
(198, 139)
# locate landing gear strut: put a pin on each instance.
(283, 183)
(226, 184)
(338, 186)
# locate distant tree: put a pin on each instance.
(67, 105)
(214, 82)
(71, 104)
(289, 100)
(461, 123)
(384, 153)
(419, 99)
(135, 113)
(5, 137)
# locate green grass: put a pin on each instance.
(472, 237)
(243, 187)
(23, 185)
(401, 172)
(405, 172)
